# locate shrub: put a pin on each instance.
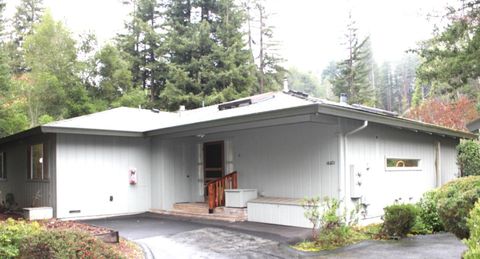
(455, 200)
(428, 213)
(468, 157)
(473, 224)
(12, 233)
(312, 213)
(65, 244)
(399, 219)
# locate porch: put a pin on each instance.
(284, 162)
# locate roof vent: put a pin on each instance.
(343, 98)
(155, 110)
(234, 104)
(298, 93)
(182, 108)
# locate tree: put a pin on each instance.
(28, 13)
(53, 86)
(208, 61)
(352, 73)
(305, 82)
(270, 73)
(143, 43)
(451, 114)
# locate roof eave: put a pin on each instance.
(85, 131)
(393, 121)
(259, 116)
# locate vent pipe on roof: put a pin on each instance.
(285, 85)
(343, 98)
(182, 108)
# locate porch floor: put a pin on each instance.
(200, 210)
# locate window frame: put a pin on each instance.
(3, 167)
(45, 176)
(416, 168)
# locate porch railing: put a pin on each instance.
(216, 190)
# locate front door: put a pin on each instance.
(213, 162)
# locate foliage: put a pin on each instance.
(13, 233)
(427, 212)
(207, 59)
(305, 82)
(468, 157)
(399, 219)
(312, 213)
(473, 242)
(340, 237)
(450, 57)
(451, 114)
(353, 72)
(65, 244)
(455, 200)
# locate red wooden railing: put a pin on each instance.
(216, 190)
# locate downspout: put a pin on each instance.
(344, 173)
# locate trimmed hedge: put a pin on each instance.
(473, 243)
(455, 200)
(399, 219)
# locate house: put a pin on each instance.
(286, 145)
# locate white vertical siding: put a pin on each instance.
(173, 171)
(381, 187)
(90, 169)
(16, 166)
(281, 161)
(448, 159)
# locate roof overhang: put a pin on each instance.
(231, 121)
(397, 122)
(101, 132)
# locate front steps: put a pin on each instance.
(200, 210)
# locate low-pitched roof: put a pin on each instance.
(141, 122)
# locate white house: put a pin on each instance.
(285, 144)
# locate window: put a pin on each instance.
(402, 163)
(37, 163)
(3, 168)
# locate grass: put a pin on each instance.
(330, 239)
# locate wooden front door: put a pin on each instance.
(214, 166)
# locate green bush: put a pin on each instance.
(468, 157)
(65, 244)
(473, 224)
(399, 219)
(428, 213)
(12, 232)
(455, 200)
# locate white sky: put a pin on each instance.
(311, 31)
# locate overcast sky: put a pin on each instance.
(310, 31)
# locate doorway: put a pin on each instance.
(214, 165)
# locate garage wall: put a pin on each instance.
(368, 149)
(90, 169)
(25, 190)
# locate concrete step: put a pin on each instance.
(200, 210)
(229, 218)
(196, 207)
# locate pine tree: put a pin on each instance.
(353, 72)
(208, 59)
(28, 13)
(270, 72)
(143, 43)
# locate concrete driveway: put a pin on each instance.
(175, 237)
